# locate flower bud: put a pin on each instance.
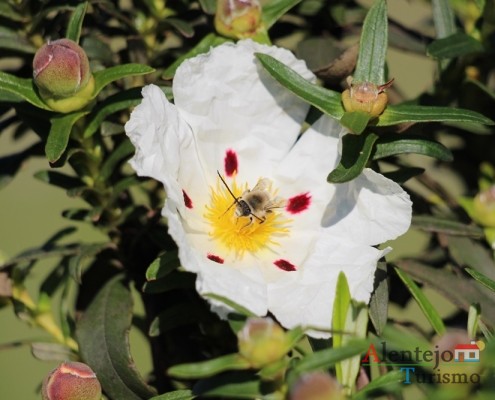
(484, 207)
(71, 381)
(366, 97)
(238, 19)
(61, 70)
(316, 386)
(262, 341)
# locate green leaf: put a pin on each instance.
(183, 27)
(456, 45)
(109, 75)
(378, 311)
(399, 114)
(428, 310)
(340, 307)
(58, 138)
(356, 121)
(370, 66)
(58, 179)
(11, 163)
(52, 352)
(393, 145)
(231, 304)
(473, 319)
(443, 18)
(325, 359)
(460, 290)
(209, 368)
(75, 23)
(13, 41)
(23, 88)
(162, 266)
(391, 380)
(184, 394)
(172, 281)
(484, 280)
(118, 155)
(429, 223)
(102, 334)
(356, 151)
(176, 315)
(117, 102)
(204, 46)
(208, 6)
(323, 99)
(274, 9)
(10, 13)
(231, 385)
(470, 253)
(86, 251)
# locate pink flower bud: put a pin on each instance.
(238, 19)
(316, 386)
(262, 341)
(61, 69)
(71, 381)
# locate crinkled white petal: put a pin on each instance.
(308, 301)
(230, 101)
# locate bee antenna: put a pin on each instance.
(227, 186)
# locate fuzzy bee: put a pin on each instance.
(254, 203)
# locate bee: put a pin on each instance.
(254, 203)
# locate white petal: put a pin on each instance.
(230, 101)
(308, 301)
(370, 209)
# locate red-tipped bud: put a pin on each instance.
(238, 19)
(71, 381)
(262, 341)
(365, 97)
(61, 68)
(316, 386)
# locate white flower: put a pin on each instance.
(230, 116)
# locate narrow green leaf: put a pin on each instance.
(11, 163)
(24, 88)
(392, 380)
(467, 252)
(162, 266)
(356, 121)
(340, 307)
(403, 144)
(443, 18)
(58, 138)
(323, 99)
(379, 299)
(484, 280)
(184, 394)
(208, 6)
(75, 23)
(182, 26)
(373, 44)
(11, 40)
(117, 102)
(204, 46)
(457, 45)
(176, 315)
(325, 359)
(274, 9)
(428, 310)
(399, 114)
(429, 223)
(102, 334)
(231, 304)
(109, 75)
(9, 13)
(356, 151)
(231, 385)
(58, 179)
(52, 352)
(473, 320)
(209, 368)
(118, 155)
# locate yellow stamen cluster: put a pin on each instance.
(240, 234)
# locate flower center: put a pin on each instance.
(250, 221)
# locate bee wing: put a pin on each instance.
(262, 185)
(277, 202)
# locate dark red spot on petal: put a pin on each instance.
(230, 161)
(285, 265)
(187, 200)
(298, 203)
(215, 258)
